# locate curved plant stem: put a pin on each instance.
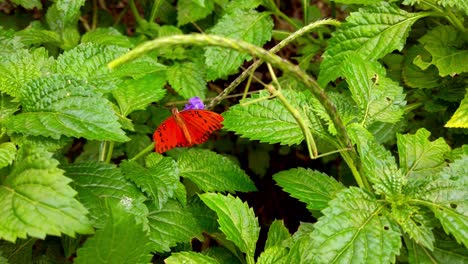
(155, 10)
(242, 46)
(142, 153)
(275, 49)
(109, 151)
(135, 12)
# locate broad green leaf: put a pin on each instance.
(171, 225)
(414, 221)
(414, 76)
(269, 121)
(88, 61)
(314, 188)
(213, 172)
(31, 36)
(355, 228)
(46, 143)
(249, 26)
(362, 2)
(378, 97)
(159, 179)
(19, 252)
(419, 157)
(273, 255)
(61, 105)
(445, 251)
(190, 258)
(205, 216)
(132, 95)
(63, 13)
(121, 240)
(241, 4)
(187, 79)
(453, 223)
(36, 200)
(277, 234)
(28, 4)
(107, 36)
(301, 251)
(378, 164)
(462, 5)
(372, 32)
(446, 46)
(136, 144)
(460, 117)
(7, 154)
(236, 220)
(188, 11)
(19, 67)
(97, 183)
(222, 254)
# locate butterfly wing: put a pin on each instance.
(168, 136)
(201, 123)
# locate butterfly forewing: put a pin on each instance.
(169, 135)
(201, 123)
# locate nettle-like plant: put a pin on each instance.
(78, 112)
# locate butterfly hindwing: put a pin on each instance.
(201, 123)
(169, 135)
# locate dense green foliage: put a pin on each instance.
(379, 97)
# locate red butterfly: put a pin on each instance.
(186, 128)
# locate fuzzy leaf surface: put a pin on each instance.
(158, 179)
(446, 46)
(419, 157)
(88, 61)
(249, 26)
(372, 32)
(355, 228)
(61, 105)
(277, 234)
(460, 117)
(171, 225)
(121, 240)
(106, 36)
(236, 220)
(445, 251)
(190, 258)
(36, 200)
(213, 172)
(7, 154)
(379, 98)
(132, 95)
(97, 183)
(188, 11)
(313, 188)
(187, 79)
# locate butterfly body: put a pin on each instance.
(186, 128)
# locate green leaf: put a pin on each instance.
(446, 45)
(36, 200)
(378, 164)
(31, 36)
(213, 172)
(270, 122)
(107, 36)
(20, 252)
(132, 95)
(361, 2)
(187, 79)
(188, 11)
(190, 258)
(171, 225)
(414, 76)
(462, 5)
(63, 13)
(18, 68)
(241, 4)
(7, 154)
(205, 216)
(355, 228)
(419, 157)
(277, 234)
(60, 105)
(273, 255)
(372, 32)
(98, 183)
(88, 61)
(236, 220)
(121, 240)
(7, 106)
(445, 251)
(249, 26)
(138, 68)
(379, 98)
(414, 221)
(453, 223)
(460, 117)
(314, 188)
(159, 179)
(28, 4)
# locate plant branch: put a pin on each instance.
(145, 151)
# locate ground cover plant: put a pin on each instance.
(343, 138)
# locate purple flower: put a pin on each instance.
(194, 103)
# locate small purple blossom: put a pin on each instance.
(195, 103)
